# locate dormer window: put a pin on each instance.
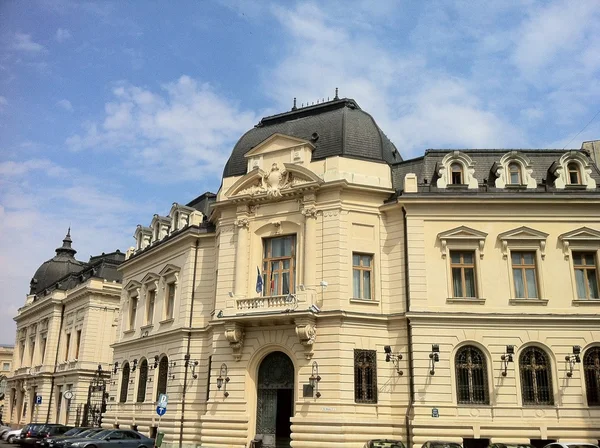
(573, 174)
(457, 174)
(514, 173)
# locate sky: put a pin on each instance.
(110, 111)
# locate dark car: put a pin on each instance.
(30, 433)
(114, 438)
(384, 443)
(59, 442)
(441, 444)
(49, 432)
(511, 445)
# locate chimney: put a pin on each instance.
(593, 149)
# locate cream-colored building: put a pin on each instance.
(6, 357)
(317, 298)
(64, 332)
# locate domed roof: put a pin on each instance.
(336, 128)
(50, 271)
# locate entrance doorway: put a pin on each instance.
(275, 400)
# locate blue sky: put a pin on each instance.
(112, 111)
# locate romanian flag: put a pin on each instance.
(259, 281)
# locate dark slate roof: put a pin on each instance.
(203, 202)
(336, 128)
(426, 167)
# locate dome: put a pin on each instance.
(336, 128)
(63, 263)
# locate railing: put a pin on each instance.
(267, 303)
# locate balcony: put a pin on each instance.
(271, 303)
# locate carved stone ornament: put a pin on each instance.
(273, 182)
(242, 223)
(235, 336)
(310, 212)
(306, 331)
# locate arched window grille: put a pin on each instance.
(141, 391)
(124, 383)
(471, 376)
(456, 174)
(536, 377)
(163, 373)
(574, 176)
(591, 367)
(514, 172)
(365, 376)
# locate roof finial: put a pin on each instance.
(294, 107)
(336, 94)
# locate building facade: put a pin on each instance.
(64, 332)
(331, 293)
(6, 357)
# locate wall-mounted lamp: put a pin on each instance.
(172, 365)
(134, 365)
(507, 357)
(223, 379)
(156, 361)
(231, 294)
(434, 357)
(116, 367)
(393, 357)
(314, 379)
(193, 364)
(573, 358)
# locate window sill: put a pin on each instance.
(147, 327)
(586, 302)
(515, 186)
(457, 186)
(130, 331)
(166, 321)
(575, 187)
(365, 301)
(540, 302)
(471, 300)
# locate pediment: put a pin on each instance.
(581, 234)
(277, 142)
(523, 233)
(462, 233)
(280, 180)
(150, 277)
(132, 284)
(168, 270)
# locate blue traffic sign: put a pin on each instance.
(161, 411)
(38, 399)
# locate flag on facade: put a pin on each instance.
(259, 281)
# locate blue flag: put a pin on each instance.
(259, 281)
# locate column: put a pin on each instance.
(310, 240)
(241, 258)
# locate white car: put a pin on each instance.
(4, 429)
(11, 436)
(571, 445)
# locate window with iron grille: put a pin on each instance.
(536, 377)
(124, 383)
(471, 376)
(279, 265)
(591, 367)
(163, 373)
(141, 391)
(365, 376)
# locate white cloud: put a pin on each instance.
(3, 103)
(23, 42)
(14, 169)
(63, 34)
(65, 104)
(181, 132)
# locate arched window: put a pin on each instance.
(573, 174)
(141, 392)
(163, 373)
(124, 383)
(536, 377)
(591, 367)
(514, 173)
(456, 174)
(471, 376)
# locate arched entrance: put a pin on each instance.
(275, 400)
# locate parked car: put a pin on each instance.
(4, 429)
(59, 442)
(33, 432)
(114, 438)
(72, 432)
(51, 431)
(511, 445)
(441, 444)
(383, 443)
(12, 436)
(570, 445)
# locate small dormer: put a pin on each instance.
(160, 227)
(456, 170)
(514, 170)
(143, 237)
(573, 170)
(280, 148)
(182, 216)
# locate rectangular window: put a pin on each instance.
(68, 344)
(31, 350)
(6, 366)
(362, 273)
(77, 344)
(59, 400)
(133, 303)
(21, 352)
(524, 275)
(170, 300)
(365, 376)
(43, 348)
(279, 266)
(150, 306)
(586, 275)
(462, 264)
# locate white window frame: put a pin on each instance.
(561, 170)
(169, 275)
(361, 269)
(150, 283)
(583, 239)
(132, 290)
